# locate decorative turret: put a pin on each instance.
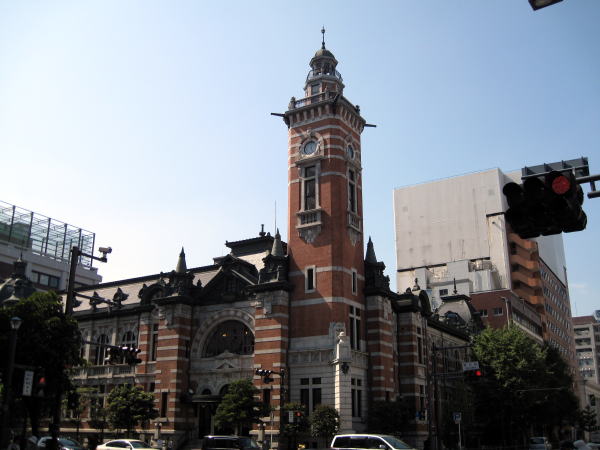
(323, 76)
(275, 263)
(374, 277)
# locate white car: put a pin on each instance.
(124, 443)
(368, 441)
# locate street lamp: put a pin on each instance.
(15, 323)
(538, 4)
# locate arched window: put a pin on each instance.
(230, 336)
(100, 350)
(129, 339)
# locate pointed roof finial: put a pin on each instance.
(277, 249)
(323, 33)
(370, 257)
(181, 265)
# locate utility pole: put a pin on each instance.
(76, 253)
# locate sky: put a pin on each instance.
(148, 122)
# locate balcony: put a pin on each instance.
(354, 221)
(108, 371)
(309, 218)
(313, 99)
(312, 74)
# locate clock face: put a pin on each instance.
(350, 152)
(309, 148)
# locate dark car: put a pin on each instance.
(228, 443)
(65, 443)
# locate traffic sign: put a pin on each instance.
(457, 417)
(27, 383)
(470, 365)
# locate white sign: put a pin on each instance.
(291, 416)
(470, 365)
(27, 383)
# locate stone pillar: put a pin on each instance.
(342, 380)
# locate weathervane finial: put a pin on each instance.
(323, 33)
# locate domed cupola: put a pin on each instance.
(323, 76)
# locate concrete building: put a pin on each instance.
(452, 232)
(587, 347)
(44, 244)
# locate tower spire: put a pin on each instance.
(323, 41)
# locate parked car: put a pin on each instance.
(228, 443)
(124, 443)
(368, 441)
(539, 443)
(65, 443)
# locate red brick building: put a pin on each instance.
(316, 309)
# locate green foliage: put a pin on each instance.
(300, 425)
(128, 406)
(587, 419)
(324, 422)
(47, 340)
(239, 406)
(528, 386)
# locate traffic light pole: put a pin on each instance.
(76, 253)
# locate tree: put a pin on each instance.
(239, 407)
(587, 419)
(324, 422)
(48, 341)
(128, 406)
(529, 386)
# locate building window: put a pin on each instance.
(100, 352)
(420, 349)
(45, 280)
(164, 404)
(355, 335)
(354, 282)
(266, 397)
(314, 89)
(352, 191)
(309, 187)
(356, 393)
(310, 394)
(443, 292)
(154, 342)
(483, 312)
(310, 279)
(498, 311)
(230, 336)
(513, 248)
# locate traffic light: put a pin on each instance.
(545, 204)
(266, 374)
(298, 415)
(473, 374)
(130, 355)
(113, 355)
(39, 384)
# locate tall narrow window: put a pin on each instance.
(266, 397)
(163, 404)
(352, 191)
(310, 187)
(100, 350)
(356, 396)
(354, 281)
(354, 328)
(310, 279)
(154, 343)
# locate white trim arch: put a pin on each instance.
(213, 321)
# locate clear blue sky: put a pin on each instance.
(148, 122)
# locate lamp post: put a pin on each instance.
(15, 323)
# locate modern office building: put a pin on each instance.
(587, 347)
(44, 245)
(452, 232)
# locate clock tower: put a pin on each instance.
(325, 244)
